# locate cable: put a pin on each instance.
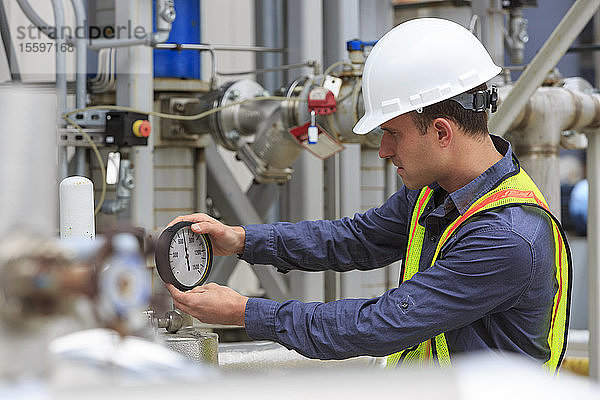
(98, 156)
(176, 116)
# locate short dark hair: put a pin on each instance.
(472, 122)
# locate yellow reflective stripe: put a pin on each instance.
(443, 354)
(410, 266)
(558, 326)
(416, 235)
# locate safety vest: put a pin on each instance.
(516, 190)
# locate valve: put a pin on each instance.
(356, 50)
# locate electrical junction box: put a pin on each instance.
(124, 128)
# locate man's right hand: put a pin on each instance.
(226, 240)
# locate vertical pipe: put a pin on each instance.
(593, 246)
(135, 89)
(491, 20)
(28, 153)
(61, 82)
(268, 31)
(305, 190)
(81, 154)
(376, 18)
(200, 176)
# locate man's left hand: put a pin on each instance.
(211, 303)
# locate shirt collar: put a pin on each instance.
(464, 197)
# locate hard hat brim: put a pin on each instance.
(368, 122)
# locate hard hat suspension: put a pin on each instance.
(478, 101)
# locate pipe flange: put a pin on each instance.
(228, 120)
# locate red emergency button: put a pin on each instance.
(141, 128)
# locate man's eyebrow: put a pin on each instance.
(385, 129)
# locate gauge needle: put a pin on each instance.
(187, 256)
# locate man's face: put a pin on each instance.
(411, 152)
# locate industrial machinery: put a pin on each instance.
(161, 121)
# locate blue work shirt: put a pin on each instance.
(492, 287)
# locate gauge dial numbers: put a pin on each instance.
(183, 257)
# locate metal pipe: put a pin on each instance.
(98, 44)
(36, 19)
(593, 252)
(135, 89)
(208, 47)
(536, 132)
(81, 154)
(8, 45)
(268, 30)
(61, 85)
(308, 63)
(555, 47)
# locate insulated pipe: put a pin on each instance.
(535, 133)
(557, 44)
(28, 154)
(80, 80)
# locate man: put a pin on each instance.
(485, 265)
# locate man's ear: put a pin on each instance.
(444, 131)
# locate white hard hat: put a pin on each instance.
(419, 63)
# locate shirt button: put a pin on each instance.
(432, 238)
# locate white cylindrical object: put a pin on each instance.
(77, 208)
(28, 159)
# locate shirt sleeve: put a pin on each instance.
(370, 240)
(486, 271)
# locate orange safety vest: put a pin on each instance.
(517, 190)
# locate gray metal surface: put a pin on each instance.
(593, 171)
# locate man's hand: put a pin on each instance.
(226, 240)
(211, 303)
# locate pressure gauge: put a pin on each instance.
(183, 257)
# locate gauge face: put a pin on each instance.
(183, 257)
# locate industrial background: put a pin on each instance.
(118, 116)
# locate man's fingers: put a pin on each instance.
(175, 293)
(199, 217)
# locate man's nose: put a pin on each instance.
(386, 150)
